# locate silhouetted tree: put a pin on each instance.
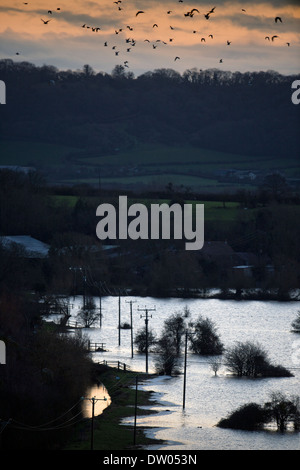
(205, 339)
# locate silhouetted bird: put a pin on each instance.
(45, 22)
(139, 12)
(176, 58)
(273, 37)
(278, 19)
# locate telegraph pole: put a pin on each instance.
(100, 308)
(93, 400)
(146, 310)
(185, 360)
(184, 376)
(135, 410)
(131, 302)
(119, 317)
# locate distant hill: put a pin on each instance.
(202, 127)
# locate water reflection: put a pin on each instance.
(99, 392)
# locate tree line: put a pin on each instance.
(247, 113)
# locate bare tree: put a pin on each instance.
(215, 365)
(88, 313)
(283, 410)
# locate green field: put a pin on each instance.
(152, 166)
(214, 210)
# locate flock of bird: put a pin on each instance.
(130, 42)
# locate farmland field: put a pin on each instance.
(144, 165)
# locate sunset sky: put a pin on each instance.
(142, 46)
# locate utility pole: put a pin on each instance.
(135, 410)
(146, 310)
(119, 317)
(131, 302)
(100, 307)
(93, 400)
(185, 360)
(184, 376)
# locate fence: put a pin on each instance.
(116, 364)
(93, 347)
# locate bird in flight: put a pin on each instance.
(207, 15)
(45, 21)
(191, 13)
(278, 19)
(176, 58)
(273, 37)
(139, 12)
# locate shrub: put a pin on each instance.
(248, 417)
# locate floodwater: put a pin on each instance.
(208, 398)
(97, 397)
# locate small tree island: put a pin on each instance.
(281, 410)
(251, 360)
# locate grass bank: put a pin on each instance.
(109, 433)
